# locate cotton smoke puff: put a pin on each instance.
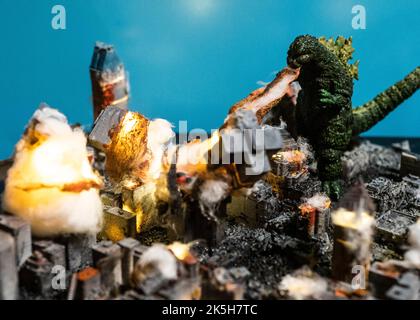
(51, 183)
(159, 136)
(156, 262)
(303, 284)
(211, 193)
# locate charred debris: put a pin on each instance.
(136, 215)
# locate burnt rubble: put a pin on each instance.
(263, 239)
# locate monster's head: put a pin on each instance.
(301, 51)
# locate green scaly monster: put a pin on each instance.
(324, 112)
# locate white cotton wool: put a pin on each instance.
(159, 135)
(158, 258)
(213, 191)
(51, 183)
(300, 288)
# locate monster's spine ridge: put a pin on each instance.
(367, 115)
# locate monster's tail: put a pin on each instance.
(367, 115)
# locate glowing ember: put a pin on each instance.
(303, 286)
(306, 209)
(350, 219)
(291, 156)
(182, 252)
(127, 154)
(129, 122)
(317, 202)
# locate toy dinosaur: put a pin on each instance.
(324, 111)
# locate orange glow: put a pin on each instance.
(292, 156)
(48, 164)
(182, 252)
(128, 123)
(306, 209)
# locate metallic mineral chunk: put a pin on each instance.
(118, 224)
(54, 252)
(392, 226)
(21, 232)
(108, 119)
(382, 278)
(402, 146)
(107, 259)
(127, 258)
(245, 209)
(109, 80)
(410, 164)
(36, 277)
(8, 269)
(78, 250)
(407, 288)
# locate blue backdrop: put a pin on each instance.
(191, 59)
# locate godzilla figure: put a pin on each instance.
(324, 112)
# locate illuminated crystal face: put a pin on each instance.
(127, 154)
(51, 183)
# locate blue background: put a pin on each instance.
(191, 59)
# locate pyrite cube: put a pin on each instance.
(118, 224)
